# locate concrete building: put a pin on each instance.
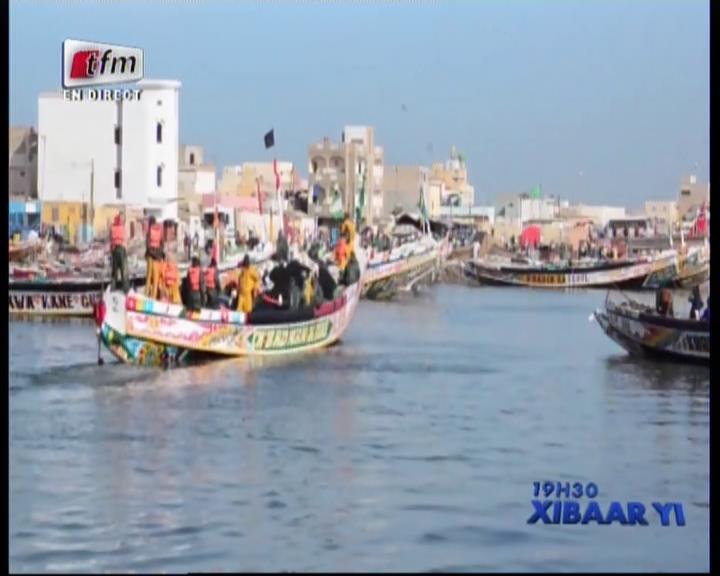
(105, 153)
(691, 197)
(23, 163)
(452, 176)
(519, 209)
(599, 215)
(243, 180)
(402, 187)
(195, 178)
(337, 172)
(662, 211)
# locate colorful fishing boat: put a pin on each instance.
(640, 330)
(141, 330)
(593, 274)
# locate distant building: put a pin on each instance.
(106, 153)
(195, 178)
(662, 213)
(23, 163)
(403, 187)
(630, 227)
(599, 215)
(338, 172)
(691, 197)
(243, 180)
(519, 209)
(453, 180)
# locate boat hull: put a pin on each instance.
(139, 352)
(383, 281)
(630, 275)
(643, 334)
(221, 333)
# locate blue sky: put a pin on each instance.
(599, 101)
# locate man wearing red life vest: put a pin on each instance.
(119, 255)
(153, 255)
(170, 281)
(195, 285)
(212, 285)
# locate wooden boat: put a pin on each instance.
(400, 270)
(625, 274)
(140, 330)
(693, 269)
(640, 330)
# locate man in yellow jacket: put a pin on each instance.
(249, 285)
(347, 229)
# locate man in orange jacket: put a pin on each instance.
(170, 280)
(341, 253)
(153, 256)
(119, 255)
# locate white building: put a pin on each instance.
(23, 162)
(128, 149)
(600, 215)
(195, 178)
(518, 209)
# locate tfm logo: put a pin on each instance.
(94, 64)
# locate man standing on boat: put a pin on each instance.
(119, 255)
(212, 285)
(153, 255)
(195, 285)
(347, 229)
(249, 286)
(171, 281)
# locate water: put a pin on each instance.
(412, 446)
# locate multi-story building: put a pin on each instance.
(692, 196)
(452, 176)
(105, 153)
(23, 163)
(243, 180)
(338, 173)
(403, 187)
(195, 178)
(662, 212)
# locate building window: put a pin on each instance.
(55, 214)
(118, 133)
(159, 176)
(685, 192)
(117, 184)
(314, 166)
(192, 159)
(22, 174)
(159, 102)
(158, 133)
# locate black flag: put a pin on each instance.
(270, 139)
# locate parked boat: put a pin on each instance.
(693, 269)
(583, 274)
(402, 269)
(640, 330)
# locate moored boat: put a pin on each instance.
(640, 330)
(592, 274)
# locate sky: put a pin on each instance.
(596, 101)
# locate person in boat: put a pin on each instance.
(706, 315)
(351, 273)
(341, 253)
(347, 229)
(170, 281)
(664, 302)
(299, 275)
(249, 286)
(195, 285)
(153, 256)
(212, 285)
(119, 255)
(283, 249)
(696, 303)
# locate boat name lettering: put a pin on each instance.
(282, 338)
(52, 301)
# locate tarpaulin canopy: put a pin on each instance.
(530, 236)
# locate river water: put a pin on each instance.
(413, 445)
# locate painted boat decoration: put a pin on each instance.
(693, 269)
(131, 350)
(625, 274)
(641, 331)
(387, 274)
(132, 318)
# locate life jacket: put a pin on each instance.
(194, 279)
(155, 236)
(117, 235)
(171, 274)
(210, 278)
